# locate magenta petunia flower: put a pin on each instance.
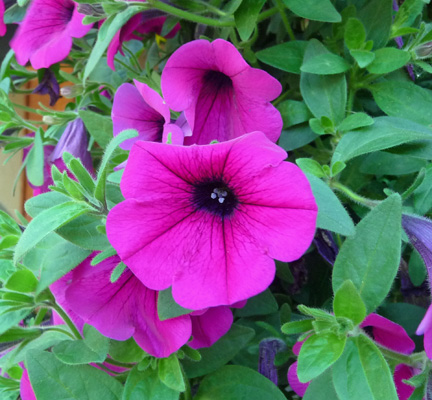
(2, 24)
(26, 390)
(425, 328)
(140, 107)
(45, 35)
(221, 95)
(127, 308)
(388, 334)
(209, 220)
(403, 372)
(150, 21)
(293, 380)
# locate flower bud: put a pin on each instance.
(93, 10)
(71, 91)
(424, 50)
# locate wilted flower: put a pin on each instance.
(127, 308)
(221, 95)
(140, 107)
(326, 245)
(48, 85)
(208, 220)
(268, 348)
(45, 35)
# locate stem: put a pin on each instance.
(351, 97)
(66, 319)
(187, 394)
(354, 196)
(119, 363)
(29, 109)
(187, 15)
(267, 14)
(413, 360)
(281, 8)
(53, 328)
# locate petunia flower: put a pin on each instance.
(209, 220)
(26, 389)
(293, 380)
(146, 22)
(425, 328)
(127, 309)
(45, 35)
(403, 372)
(221, 95)
(140, 107)
(388, 334)
(2, 24)
(49, 85)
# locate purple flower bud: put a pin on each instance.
(74, 141)
(419, 231)
(326, 245)
(268, 348)
(48, 85)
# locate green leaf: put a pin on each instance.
(220, 353)
(234, 382)
(337, 168)
(371, 257)
(309, 165)
(383, 163)
(93, 348)
(404, 100)
(167, 307)
(10, 318)
(348, 303)
(321, 388)
(286, 56)
(146, 385)
(348, 376)
(47, 221)
(293, 112)
(355, 121)
(408, 11)
(99, 126)
(22, 281)
(386, 132)
(117, 271)
(246, 17)
(106, 32)
(324, 95)
(262, 304)
(363, 57)
(51, 379)
(296, 327)
(296, 137)
(355, 34)
(376, 16)
(331, 213)
(35, 161)
(417, 269)
(170, 373)
(316, 11)
(387, 60)
(376, 370)
(317, 354)
(126, 351)
(325, 64)
(423, 194)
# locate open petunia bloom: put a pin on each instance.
(45, 35)
(2, 24)
(209, 220)
(127, 308)
(140, 107)
(221, 95)
(146, 22)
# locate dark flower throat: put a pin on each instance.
(215, 197)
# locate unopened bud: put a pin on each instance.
(424, 50)
(93, 10)
(71, 91)
(51, 120)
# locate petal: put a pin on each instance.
(125, 308)
(403, 372)
(210, 326)
(2, 24)
(131, 111)
(175, 132)
(282, 221)
(293, 380)
(426, 322)
(153, 99)
(389, 334)
(26, 390)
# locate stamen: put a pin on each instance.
(221, 199)
(213, 195)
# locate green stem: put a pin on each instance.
(351, 97)
(187, 394)
(29, 109)
(118, 363)
(66, 319)
(354, 196)
(53, 328)
(267, 14)
(187, 15)
(281, 8)
(413, 360)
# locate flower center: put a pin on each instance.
(217, 80)
(215, 197)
